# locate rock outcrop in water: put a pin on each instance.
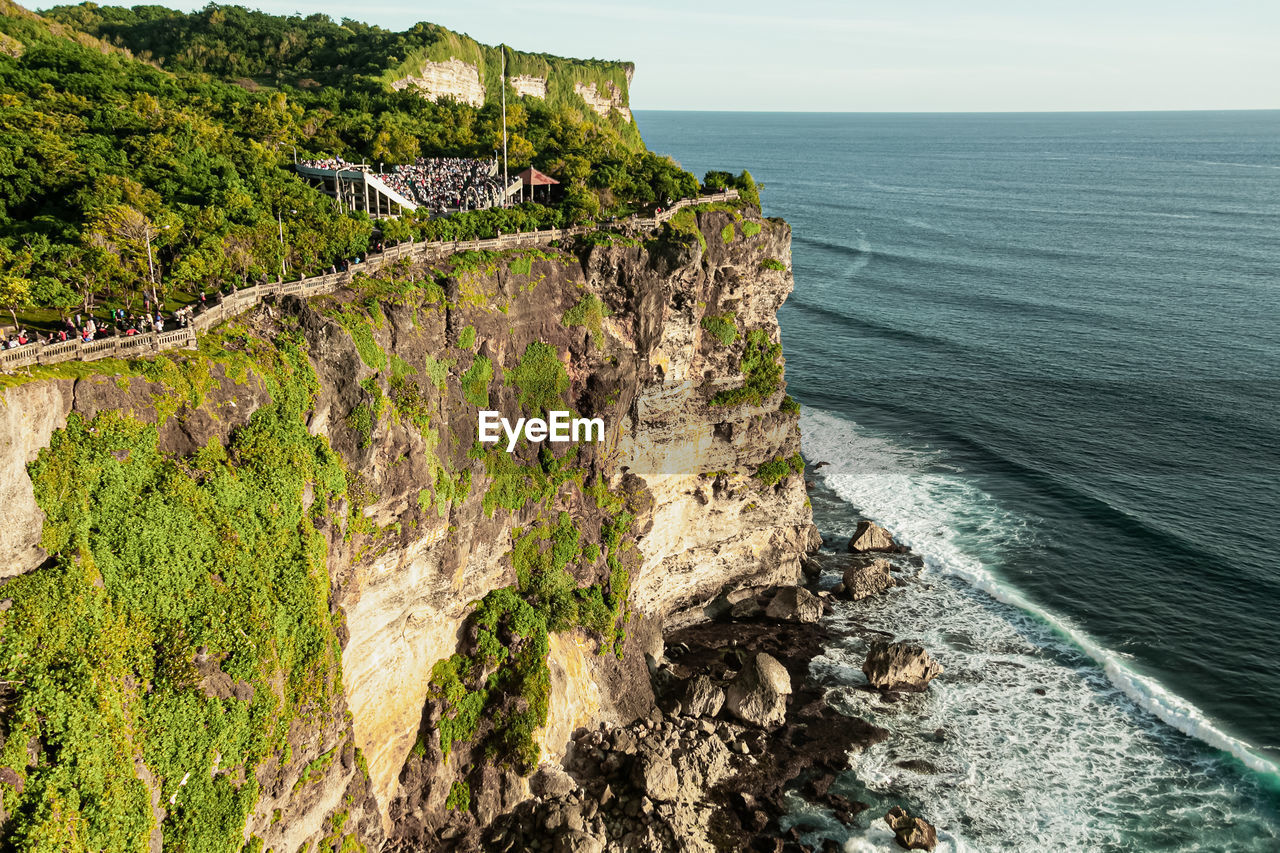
(911, 833)
(865, 579)
(899, 666)
(870, 536)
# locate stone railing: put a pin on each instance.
(138, 346)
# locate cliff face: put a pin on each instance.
(456, 66)
(603, 101)
(452, 78)
(465, 609)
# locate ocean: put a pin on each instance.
(1044, 350)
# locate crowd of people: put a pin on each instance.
(119, 323)
(330, 163)
(442, 184)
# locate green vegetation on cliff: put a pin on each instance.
(722, 327)
(762, 372)
(500, 688)
(540, 379)
(748, 189)
(779, 468)
(589, 313)
(167, 574)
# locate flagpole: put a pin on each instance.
(506, 181)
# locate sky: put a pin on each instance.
(887, 55)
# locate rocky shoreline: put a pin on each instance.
(738, 727)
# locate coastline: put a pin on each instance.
(1025, 717)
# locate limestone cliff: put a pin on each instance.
(451, 78)
(452, 65)
(603, 101)
(529, 86)
(453, 612)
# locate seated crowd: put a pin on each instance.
(440, 184)
(447, 183)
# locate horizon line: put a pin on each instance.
(960, 112)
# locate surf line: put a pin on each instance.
(558, 426)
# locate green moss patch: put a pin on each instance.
(540, 379)
(722, 327)
(762, 370)
(437, 370)
(588, 313)
(360, 327)
(475, 382)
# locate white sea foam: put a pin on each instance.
(864, 253)
(1033, 717)
(1238, 165)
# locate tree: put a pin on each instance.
(133, 234)
(15, 293)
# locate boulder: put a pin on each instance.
(870, 536)
(574, 841)
(795, 604)
(551, 782)
(657, 777)
(899, 666)
(911, 833)
(866, 579)
(702, 698)
(758, 695)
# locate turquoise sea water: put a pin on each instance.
(1045, 350)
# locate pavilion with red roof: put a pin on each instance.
(533, 179)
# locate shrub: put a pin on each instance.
(540, 378)
(773, 264)
(459, 798)
(750, 228)
(475, 382)
(779, 468)
(722, 327)
(727, 233)
(761, 369)
(467, 337)
(748, 189)
(588, 313)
